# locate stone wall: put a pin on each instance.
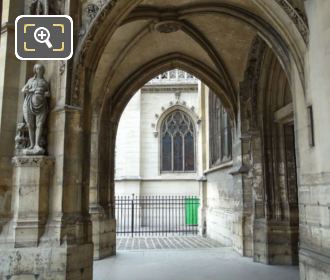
(314, 169)
(223, 193)
(138, 142)
(224, 200)
(128, 141)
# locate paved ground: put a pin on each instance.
(187, 264)
(180, 242)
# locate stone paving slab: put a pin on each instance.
(188, 264)
(180, 242)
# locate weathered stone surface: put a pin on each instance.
(32, 177)
(104, 235)
(47, 262)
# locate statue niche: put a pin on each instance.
(35, 111)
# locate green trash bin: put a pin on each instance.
(192, 205)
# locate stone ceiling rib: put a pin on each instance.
(243, 15)
(137, 38)
(174, 60)
(191, 30)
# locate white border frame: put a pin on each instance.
(45, 16)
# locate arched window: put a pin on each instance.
(177, 143)
(220, 132)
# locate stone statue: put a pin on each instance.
(22, 137)
(35, 109)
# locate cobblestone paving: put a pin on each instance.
(180, 242)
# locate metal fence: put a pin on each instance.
(157, 215)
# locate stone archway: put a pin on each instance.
(269, 130)
(105, 124)
(108, 78)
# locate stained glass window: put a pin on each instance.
(177, 143)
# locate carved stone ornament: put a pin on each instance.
(92, 10)
(62, 66)
(168, 26)
(249, 87)
(39, 7)
(25, 161)
(297, 17)
(83, 48)
(172, 106)
(22, 137)
(101, 3)
(35, 111)
(177, 95)
(46, 7)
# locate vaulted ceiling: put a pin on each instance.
(213, 38)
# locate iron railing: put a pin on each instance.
(157, 215)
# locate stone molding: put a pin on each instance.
(123, 179)
(169, 88)
(297, 17)
(32, 161)
(6, 27)
(223, 165)
(172, 106)
(84, 47)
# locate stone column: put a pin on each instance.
(10, 68)
(202, 226)
(104, 233)
(101, 184)
(203, 93)
(32, 176)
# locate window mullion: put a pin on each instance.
(172, 153)
(183, 153)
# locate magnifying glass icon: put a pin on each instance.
(42, 35)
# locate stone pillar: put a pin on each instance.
(28, 252)
(10, 68)
(101, 184)
(32, 177)
(41, 243)
(202, 225)
(104, 233)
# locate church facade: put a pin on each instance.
(158, 142)
(251, 137)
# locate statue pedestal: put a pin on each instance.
(28, 252)
(32, 177)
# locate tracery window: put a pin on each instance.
(177, 143)
(220, 132)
